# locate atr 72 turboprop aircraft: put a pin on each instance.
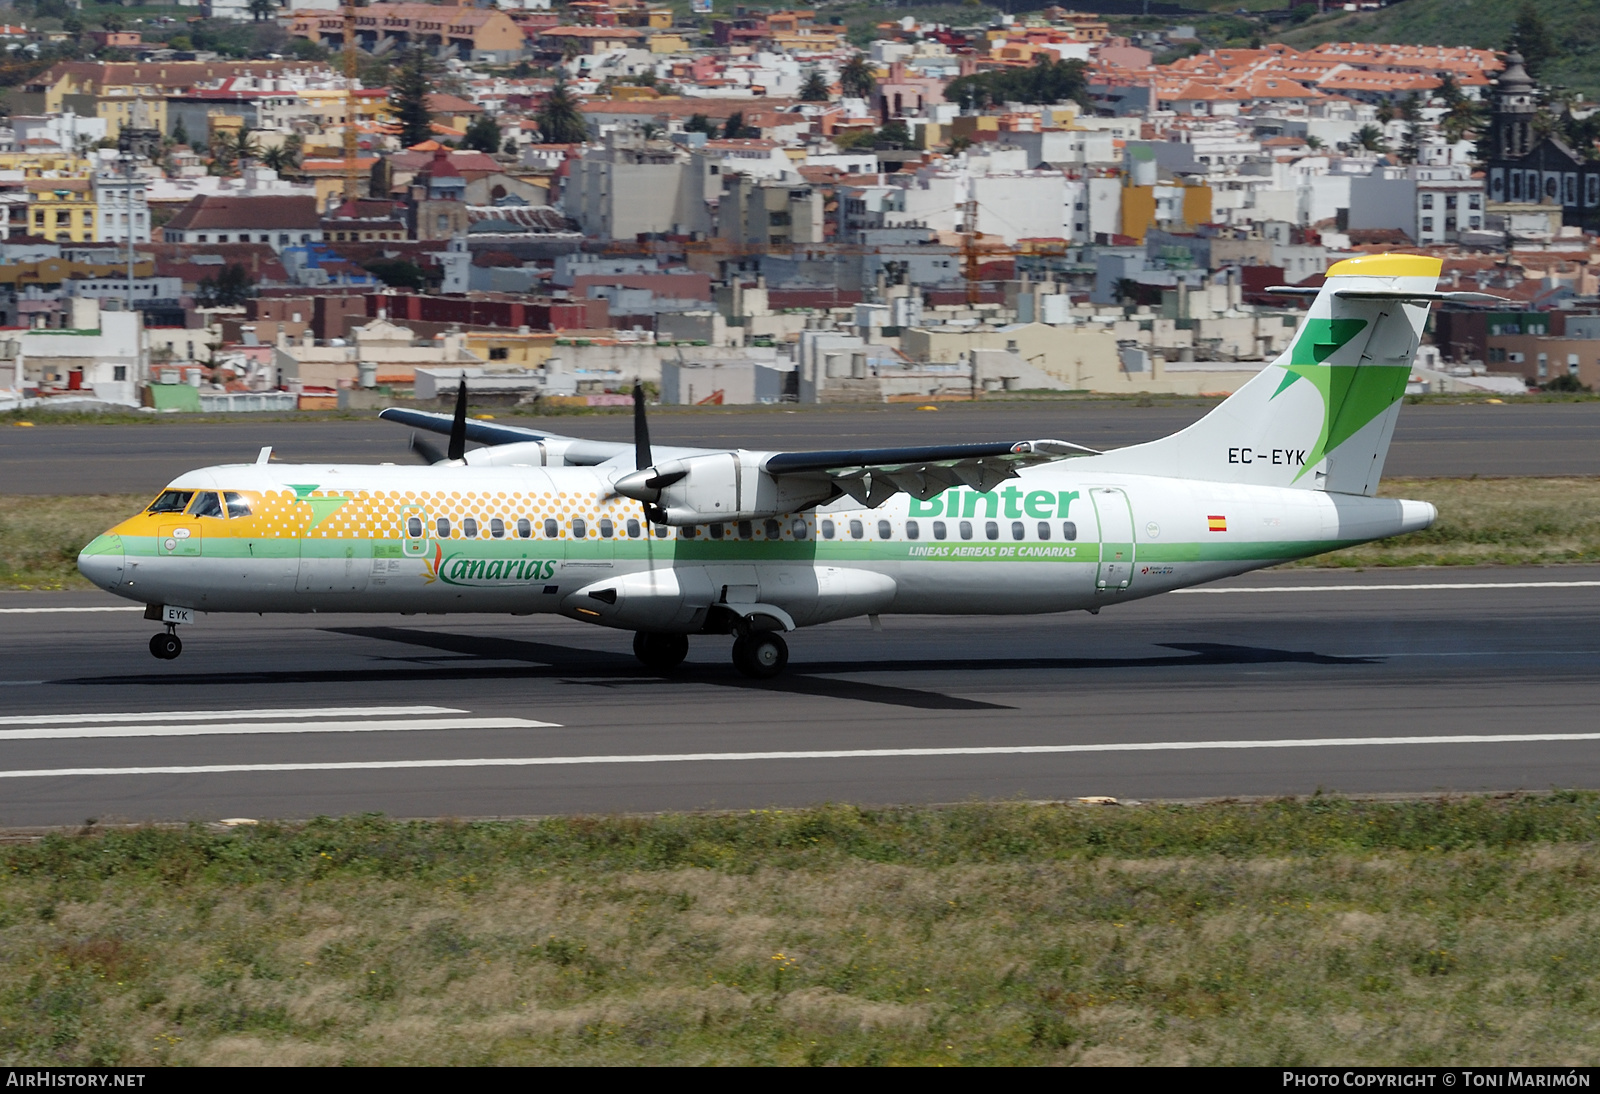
(673, 542)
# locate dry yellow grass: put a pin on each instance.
(1309, 933)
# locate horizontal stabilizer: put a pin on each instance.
(1454, 297)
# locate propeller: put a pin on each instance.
(426, 451)
(457, 449)
(458, 427)
(641, 451)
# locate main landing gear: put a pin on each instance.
(166, 646)
(760, 655)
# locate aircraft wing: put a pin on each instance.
(578, 452)
(873, 475)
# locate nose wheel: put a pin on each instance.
(760, 656)
(660, 652)
(166, 646)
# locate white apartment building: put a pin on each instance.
(122, 206)
(1429, 204)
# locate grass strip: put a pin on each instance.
(1312, 931)
(1481, 521)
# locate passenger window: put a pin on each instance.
(715, 530)
(551, 528)
(633, 529)
(497, 528)
(912, 531)
(938, 529)
(991, 529)
(966, 529)
(1069, 530)
(414, 527)
(171, 501)
(524, 529)
(1018, 529)
(606, 528)
(238, 505)
(469, 527)
(580, 528)
(827, 529)
(206, 505)
(798, 527)
(885, 530)
(690, 532)
(746, 530)
(1044, 529)
(857, 529)
(442, 527)
(661, 531)
(774, 529)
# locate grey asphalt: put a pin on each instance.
(1430, 440)
(1197, 669)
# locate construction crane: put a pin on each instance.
(352, 147)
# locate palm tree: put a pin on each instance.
(1371, 138)
(815, 88)
(559, 119)
(856, 79)
(1314, 143)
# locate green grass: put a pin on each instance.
(1511, 522)
(1318, 931)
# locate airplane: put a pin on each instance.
(674, 542)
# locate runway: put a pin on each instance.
(1410, 681)
(1430, 440)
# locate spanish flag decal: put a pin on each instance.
(1217, 524)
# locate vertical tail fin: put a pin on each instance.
(1320, 416)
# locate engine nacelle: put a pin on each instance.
(721, 486)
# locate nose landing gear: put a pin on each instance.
(166, 646)
(660, 652)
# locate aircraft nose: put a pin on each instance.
(102, 561)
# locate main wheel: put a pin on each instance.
(660, 652)
(760, 656)
(165, 646)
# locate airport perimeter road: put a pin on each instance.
(1411, 681)
(1430, 440)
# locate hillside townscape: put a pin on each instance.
(252, 206)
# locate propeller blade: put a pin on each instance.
(641, 431)
(426, 451)
(458, 427)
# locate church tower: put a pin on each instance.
(1514, 108)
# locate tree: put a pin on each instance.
(1464, 118)
(284, 157)
(734, 127)
(1386, 113)
(894, 135)
(230, 288)
(408, 98)
(1371, 138)
(699, 123)
(113, 22)
(400, 273)
(180, 135)
(1043, 82)
(510, 147)
(1531, 38)
(814, 89)
(483, 134)
(1314, 143)
(262, 9)
(559, 119)
(1449, 91)
(856, 79)
(1416, 129)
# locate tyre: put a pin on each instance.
(761, 656)
(660, 652)
(165, 646)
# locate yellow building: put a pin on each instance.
(1171, 208)
(122, 107)
(61, 210)
(668, 43)
(504, 349)
(36, 165)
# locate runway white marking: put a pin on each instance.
(1398, 588)
(231, 729)
(132, 717)
(823, 754)
(53, 611)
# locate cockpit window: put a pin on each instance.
(171, 501)
(206, 504)
(238, 505)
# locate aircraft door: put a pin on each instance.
(332, 562)
(1115, 514)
